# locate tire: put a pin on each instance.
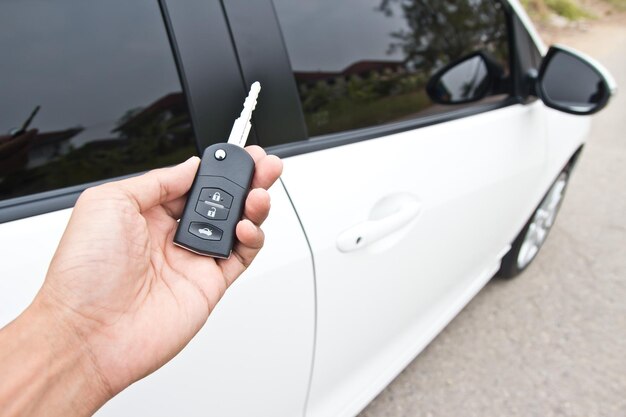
(526, 245)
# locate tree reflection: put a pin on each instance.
(158, 135)
(443, 31)
(372, 92)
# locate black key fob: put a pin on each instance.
(216, 201)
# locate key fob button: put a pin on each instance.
(212, 211)
(205, 231)
(215, 195)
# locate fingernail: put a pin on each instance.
(190, 158)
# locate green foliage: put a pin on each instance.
(343, 114)
(569, 9)
(536, 8)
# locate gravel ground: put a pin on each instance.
(553, 341)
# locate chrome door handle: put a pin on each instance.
(370, 231)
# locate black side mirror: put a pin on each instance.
(573, 83)
(465, 80)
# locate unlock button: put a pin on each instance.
(211, 210)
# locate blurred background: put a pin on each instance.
(553, 341)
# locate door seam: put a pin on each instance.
(306, 237)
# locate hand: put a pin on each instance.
(120, 287)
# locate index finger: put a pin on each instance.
(160, 185)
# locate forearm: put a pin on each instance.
(45, 370)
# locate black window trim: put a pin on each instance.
(319, 143)
(523, 89)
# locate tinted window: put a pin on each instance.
(89, 91)
(360, 63)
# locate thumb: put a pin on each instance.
(160, 185)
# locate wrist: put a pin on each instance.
(48, 367)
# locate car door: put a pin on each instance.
(408, 206)
(91, 92)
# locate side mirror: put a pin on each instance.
(573, 83)
(466, 80)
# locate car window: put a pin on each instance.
(89, 91)
(362, 63)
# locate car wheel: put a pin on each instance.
(527, 244)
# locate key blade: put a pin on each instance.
(241, 127)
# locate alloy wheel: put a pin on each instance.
(542, 222)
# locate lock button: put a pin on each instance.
(210, 210)
(217, 196)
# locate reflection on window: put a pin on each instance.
(365, 63)
(90, 91)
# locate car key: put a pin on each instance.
(217, 197)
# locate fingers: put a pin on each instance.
(256, 209)
(257, 206)
(267, 167)
(249, 235)
(256, 152)
(267, 172)
(250, 241)
(159, 186)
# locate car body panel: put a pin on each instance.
(27, 246)
(374, 303)
(566, 134)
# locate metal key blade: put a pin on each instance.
(241, 127)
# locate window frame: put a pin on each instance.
(198, 36)
(527, 52)
(247, 19)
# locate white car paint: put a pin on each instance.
(27, 247)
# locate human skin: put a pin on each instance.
(119, 299)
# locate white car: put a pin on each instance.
(426, 148)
